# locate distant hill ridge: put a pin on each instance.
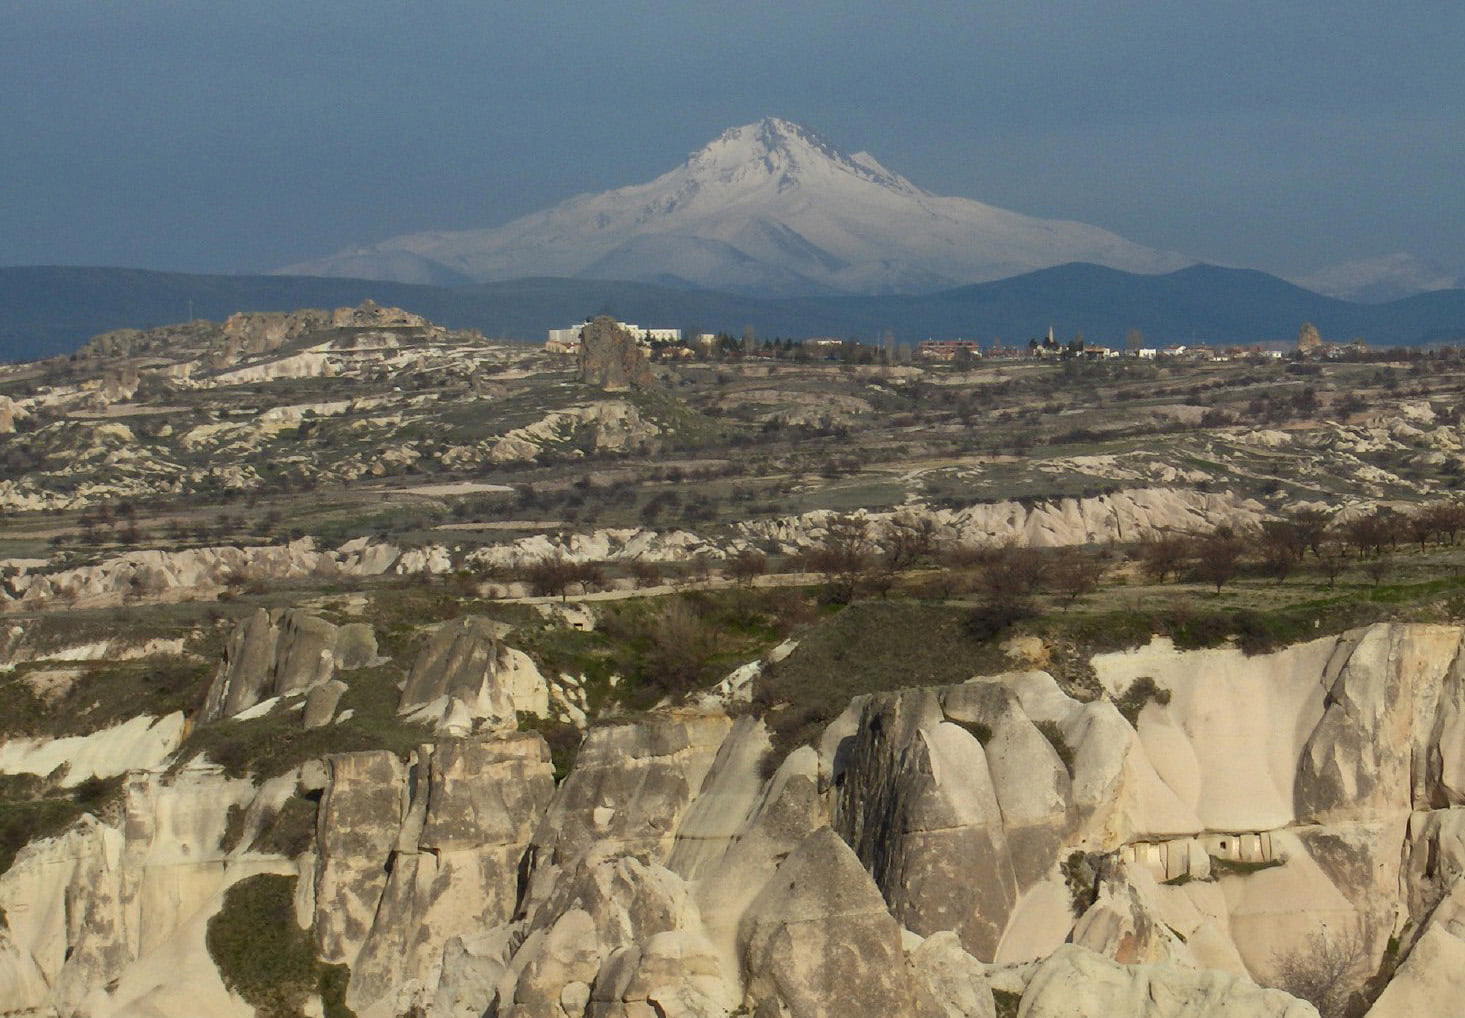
(46, 310)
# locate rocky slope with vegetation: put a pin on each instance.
(758, 687)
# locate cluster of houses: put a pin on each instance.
(670, 344)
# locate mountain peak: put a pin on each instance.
(768, 208)
(778, 147)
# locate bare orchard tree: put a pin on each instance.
(1012, 575)
(746, 566)
(1449, 518)
(1310, 527)
(844, 557)
(1326, 971)
(1217, 556)
(1282, 548)
(645, 573)
(1074, 574)
(1332, 557)
(681, 649)
(906, 540)
(550, 576)
(1161, 556)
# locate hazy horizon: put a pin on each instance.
(194, 137)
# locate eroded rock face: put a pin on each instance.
(1104, 867)
(361, 813)
(631, 785)
(466, 679)
(109, 917)
(277, 654)
(918, 803)
(1076, 983)
(611, 358)
(819, 940)
(456, 862)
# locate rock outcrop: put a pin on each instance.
(108, 918)
(611, 358)
(819, 940)
(1075, 983)
(465, 678)
(939, 850)
(283, 653)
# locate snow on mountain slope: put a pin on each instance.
(1387, 277)
(768, 208)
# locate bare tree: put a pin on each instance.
(1326, 972)
(1368, 534)
(1161, 556)
(645, 573)
(1282, 547)
(746, 565)
(681, 649)
(1218, 557)
(550, 576)
(1332, 558)
(1378, 567)
(844, 557)
(1310, 527)
(1012, 575)
(1421, 526)
(906, 540)
(1075, 574)
(590, 576)
(1449, 517)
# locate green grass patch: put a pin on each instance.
(1054, 734)
(33, 807)
(869, 647)
(268, 960)
(1237, 868)
(1140, 692)
(268, 746)
(102, 695)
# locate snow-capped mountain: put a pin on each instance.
(768, 208)
(1387, 277)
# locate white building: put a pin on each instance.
(568, 340)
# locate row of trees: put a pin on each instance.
(1309, 536)
(858, 557)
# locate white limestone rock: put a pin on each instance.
(818, 940)
(466, 679)
(1077, 983)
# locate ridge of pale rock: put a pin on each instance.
(937, 843)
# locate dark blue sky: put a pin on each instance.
(240, 136)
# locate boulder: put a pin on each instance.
(818, 940)
(611, 358)
(321, 703)
(1077, 983)
(675, 974)
(465, 679)
(955, 980)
